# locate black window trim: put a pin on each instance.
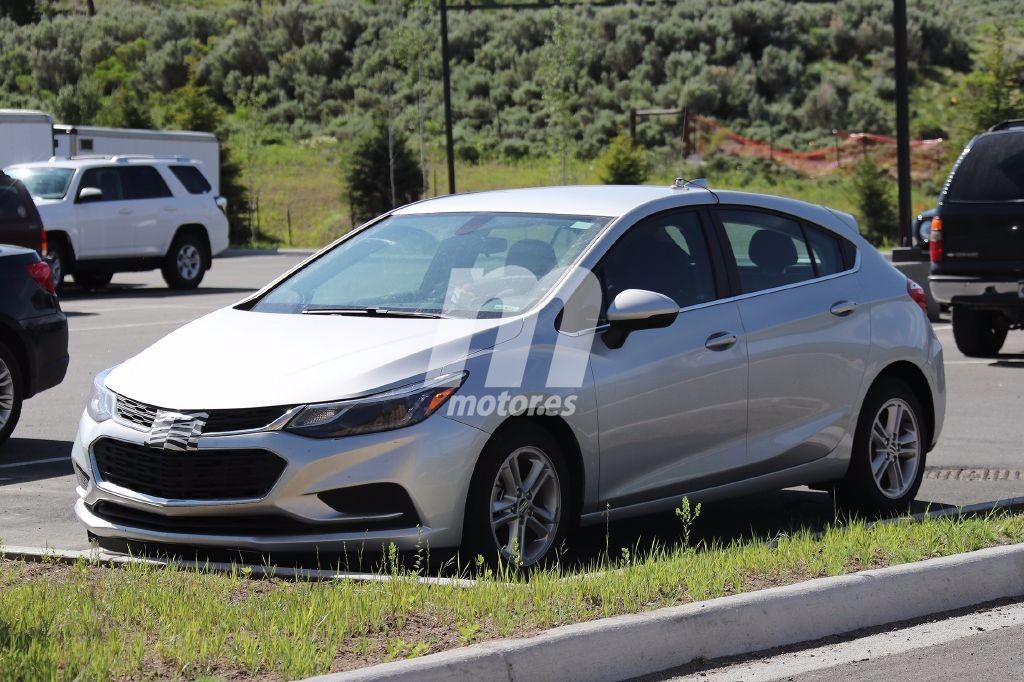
(737, 293)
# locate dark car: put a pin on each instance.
(20, 224)
(977, 241)
(33, 333)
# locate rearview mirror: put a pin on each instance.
(89, 194)
(635, 309)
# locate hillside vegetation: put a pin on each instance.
(540, 94)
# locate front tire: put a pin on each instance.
(61, 260)
(11, 393)
(979, 333)
(520, 501)
(889, 450)
(185, 262)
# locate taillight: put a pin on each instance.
(43, 245)
(935, 251)
(40, 272)
(916, 292)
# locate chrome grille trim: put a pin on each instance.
(140, 416)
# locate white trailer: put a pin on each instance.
(25, 136)
(69, 141)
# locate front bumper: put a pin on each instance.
(976, 291)
(433, 462)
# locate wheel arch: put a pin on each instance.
(10, 338)
(567, 441)
(914, 377)
(199, 230)
(65, 237)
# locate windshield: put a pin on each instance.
(465, 265)
(44, 183)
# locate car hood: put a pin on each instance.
(233, 358)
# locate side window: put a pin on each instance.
(143, 182)
(770, 251)
(826, 250)
(192, 178)
(667, 254)
(107, 180)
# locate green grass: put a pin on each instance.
(90, 622)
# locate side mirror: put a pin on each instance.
(89, 194)
(635, 309)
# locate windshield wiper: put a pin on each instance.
(371, 312)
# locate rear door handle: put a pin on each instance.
(170, 208)
(842, 308)
(124, 211)
(721, 341)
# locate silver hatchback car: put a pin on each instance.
(487, 370)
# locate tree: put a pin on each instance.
(20, 11)
(995, 87)
(382, 173)
(126, 108)
(872, 191)
(623, 163)
(190, 107)
(558, 74)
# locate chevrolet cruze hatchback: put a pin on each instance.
(486, 370)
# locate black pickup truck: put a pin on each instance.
(33, 332)
(977, 241)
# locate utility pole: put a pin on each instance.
(899, 25)
(449, 140)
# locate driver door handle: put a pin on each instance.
(721, 341)
(842, 308)
(124, 211)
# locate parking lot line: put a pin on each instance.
(51, 460)
(162, 323)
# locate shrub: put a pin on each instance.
(623, 163)
(872, 191)
(382, 172)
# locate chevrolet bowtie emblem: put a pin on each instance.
(178, 431)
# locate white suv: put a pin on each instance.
(127, 213)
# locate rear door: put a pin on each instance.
(982, 209)
(807, 334)
(154, 211)
(19, 220)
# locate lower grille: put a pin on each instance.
(199, 475)
(257, 525)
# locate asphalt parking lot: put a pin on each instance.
(979, 457)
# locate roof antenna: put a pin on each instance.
(696, 183)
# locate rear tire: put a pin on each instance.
(11, 393)
(185, 262)
(91, 281)
(979, 333)
(889, 450)
(520, 481)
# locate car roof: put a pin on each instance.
(585, 200)
(614, 201)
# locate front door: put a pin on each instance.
(672, 402)
(107, 225)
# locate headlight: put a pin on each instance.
(382, 412)
(101, 400)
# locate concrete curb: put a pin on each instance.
(97, 556)
(624, 647)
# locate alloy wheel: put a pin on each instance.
(6, 393)
(189, 262)
(895, 448)
(526, 501)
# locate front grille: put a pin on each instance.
(257, 525)
(198, 475)
(218, 421)
(135, 412)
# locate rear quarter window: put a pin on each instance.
(192, 178)
(992, 169)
